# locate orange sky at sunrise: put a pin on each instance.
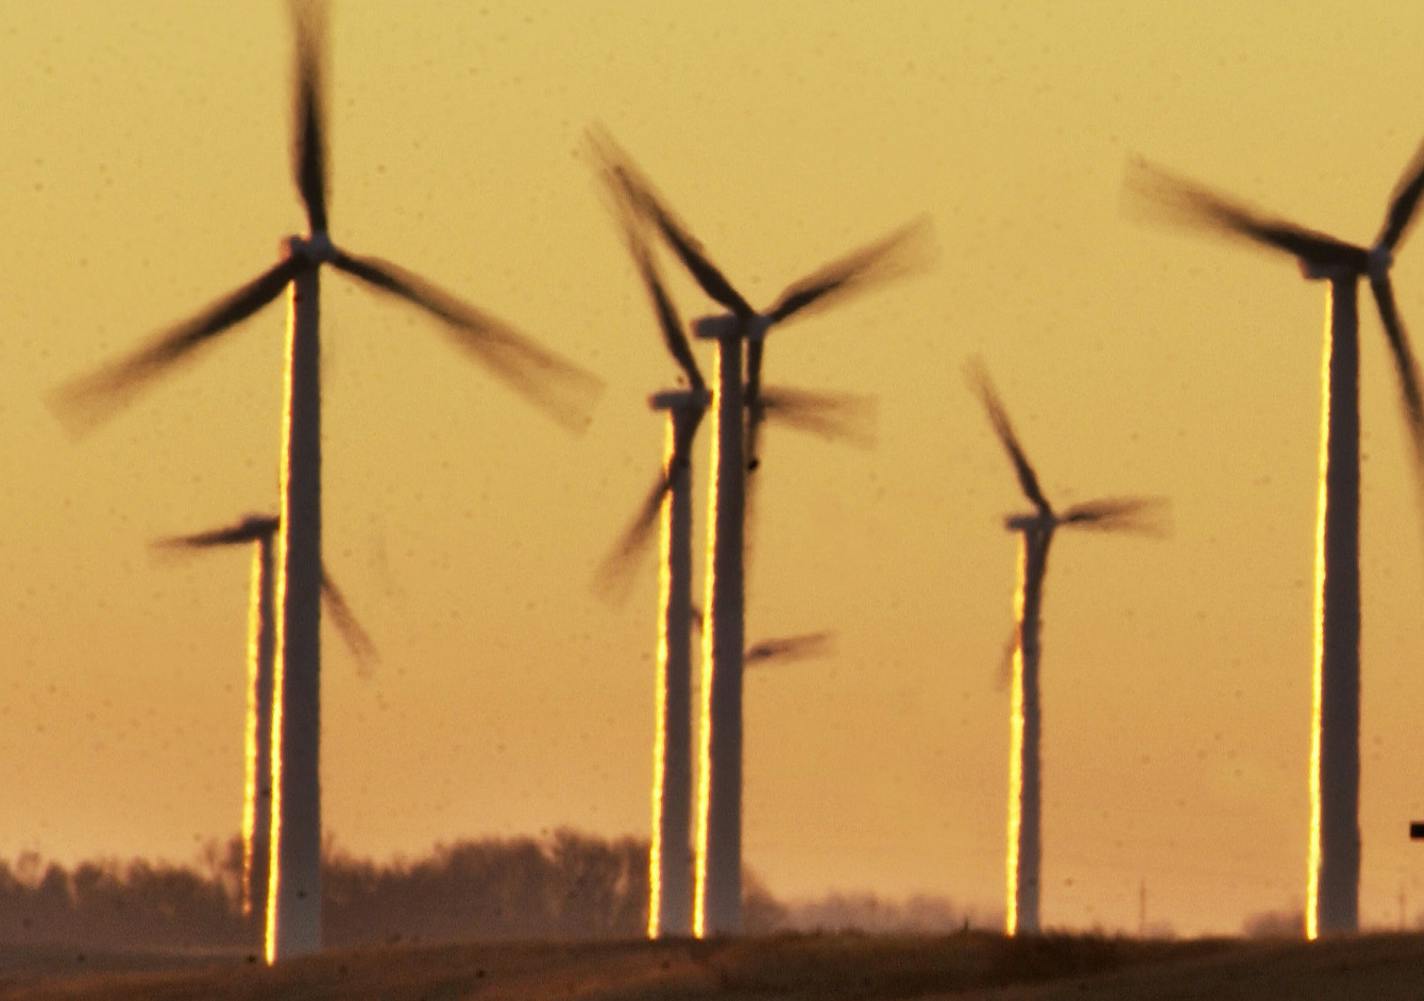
(146, 173)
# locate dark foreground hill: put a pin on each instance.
(785, 968)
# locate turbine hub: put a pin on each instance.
(1315, 270)
(261, 524)
(1036, 522)
(1381, 260)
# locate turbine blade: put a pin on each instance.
(1147, 515)
(90, 399)
(641, 195)
(900, 253)
(790, 648)
(1405, 367)
(674, 334)
(356, 637)
(1403, 202)
(614, 575)
(249, 529)
(1189, 202)
(309, 110)
(560, 388)
(999, 418)
(844, 417)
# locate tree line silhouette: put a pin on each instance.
(565, 885)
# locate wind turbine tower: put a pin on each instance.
(1036, 530)
(565, 391)
(669, 502)
(718, 885)
(826, 414)
(260, 531)
(1333, 868)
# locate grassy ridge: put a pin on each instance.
(786, 968)
(783, 968)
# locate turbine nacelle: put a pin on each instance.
(1318, 270)
(250, 528)
(258, 526)
(314, 249)
(1039, 521)
(680, 399)
(725, 325)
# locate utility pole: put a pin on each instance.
(1416, 833)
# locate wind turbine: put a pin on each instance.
(261, 530)
(718, 904)
(1333, 871)
(563, 390)
(1025, 842)
(669, 502)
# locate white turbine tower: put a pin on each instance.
(1025, 838)
(260, 531)
(670, 855)
(563, 390)
(1333, 874)
(718, 904)
(670, 859)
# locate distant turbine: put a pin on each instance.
(294, 911)
(1025, 844)
(257, 731)
(718, 906)
(670, 855)
(1333, 873)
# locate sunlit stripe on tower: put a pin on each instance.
(251, 780)
(1016, 739)
(279, 666)
(660, 699)
(704, 715)
(1317, 681)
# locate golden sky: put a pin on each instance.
(145, 172)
